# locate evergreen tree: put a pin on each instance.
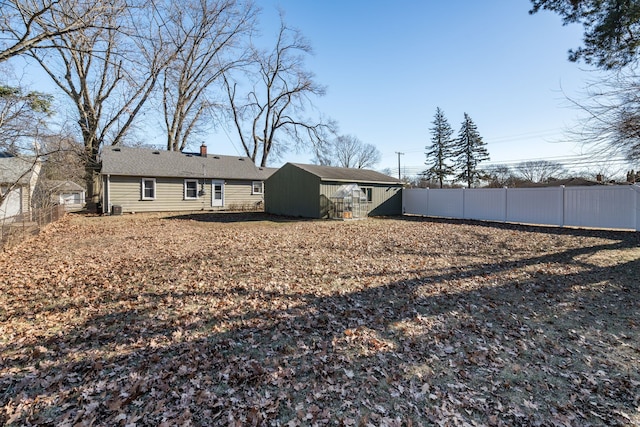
(611, 29)
(440, 151)
(470, 150)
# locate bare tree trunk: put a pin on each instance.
(108, 71)
(206, 36)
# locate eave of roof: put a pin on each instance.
(348, 175)
(126, 161)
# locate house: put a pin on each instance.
(567, 182)
(144, 180)
(65, 193)
(315, 191)
(18, 179)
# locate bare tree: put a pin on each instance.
(205, 34)
(63, 158)
(500, 176)
(27, 24)
(345, 150)
(611, 124)
(23, 123)
(369, 156)
(348, 151)
(270, 118)
(540, 170)
(23, 116)
(108, 71)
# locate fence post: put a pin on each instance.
(563, 207)
(637, 196)
(464, 197)
(427, 201)
(506, 203)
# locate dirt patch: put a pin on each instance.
(248, 319)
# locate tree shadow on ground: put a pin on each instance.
(632, 237)
(231, 217)
(498, 344)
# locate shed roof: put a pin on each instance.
(127, 161)
(332, 173)
(16, 169)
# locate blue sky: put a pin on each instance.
(388, 65)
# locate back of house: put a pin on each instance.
(144, 180)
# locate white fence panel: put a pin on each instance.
(448, 203)
(415, 201)
(488, 204)
(597, 207)
(535, 205)
(600, 207)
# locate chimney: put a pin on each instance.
(203, 150)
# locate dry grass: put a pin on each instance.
(244, 319)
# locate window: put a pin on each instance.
(148, 189)
(369, 192)
(71, 198)
(257, 187)
(190, 188)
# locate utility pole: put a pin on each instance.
(399, 154)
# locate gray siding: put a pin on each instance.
(292, 191)
(127, 192)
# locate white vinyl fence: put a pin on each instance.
(615, 206)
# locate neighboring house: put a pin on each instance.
(314, 191)
(65, 193)
(143, 180)
(567, 182)
(18, 177)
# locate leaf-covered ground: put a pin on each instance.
(151, 320)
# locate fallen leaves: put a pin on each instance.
(251, 320)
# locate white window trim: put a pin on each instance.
(368, 191)
(253, 183)
(142, 196)
(185, 189)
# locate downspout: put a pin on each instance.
(107, 195)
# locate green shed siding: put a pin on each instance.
(387, 200)
(326, 191)
(126, 191)
(293, 192)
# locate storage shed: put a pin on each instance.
(307, 191)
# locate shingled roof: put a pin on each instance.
(332, 173)
(127, 161)
(16, 169)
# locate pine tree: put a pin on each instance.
(440, 151)
(470, 150)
